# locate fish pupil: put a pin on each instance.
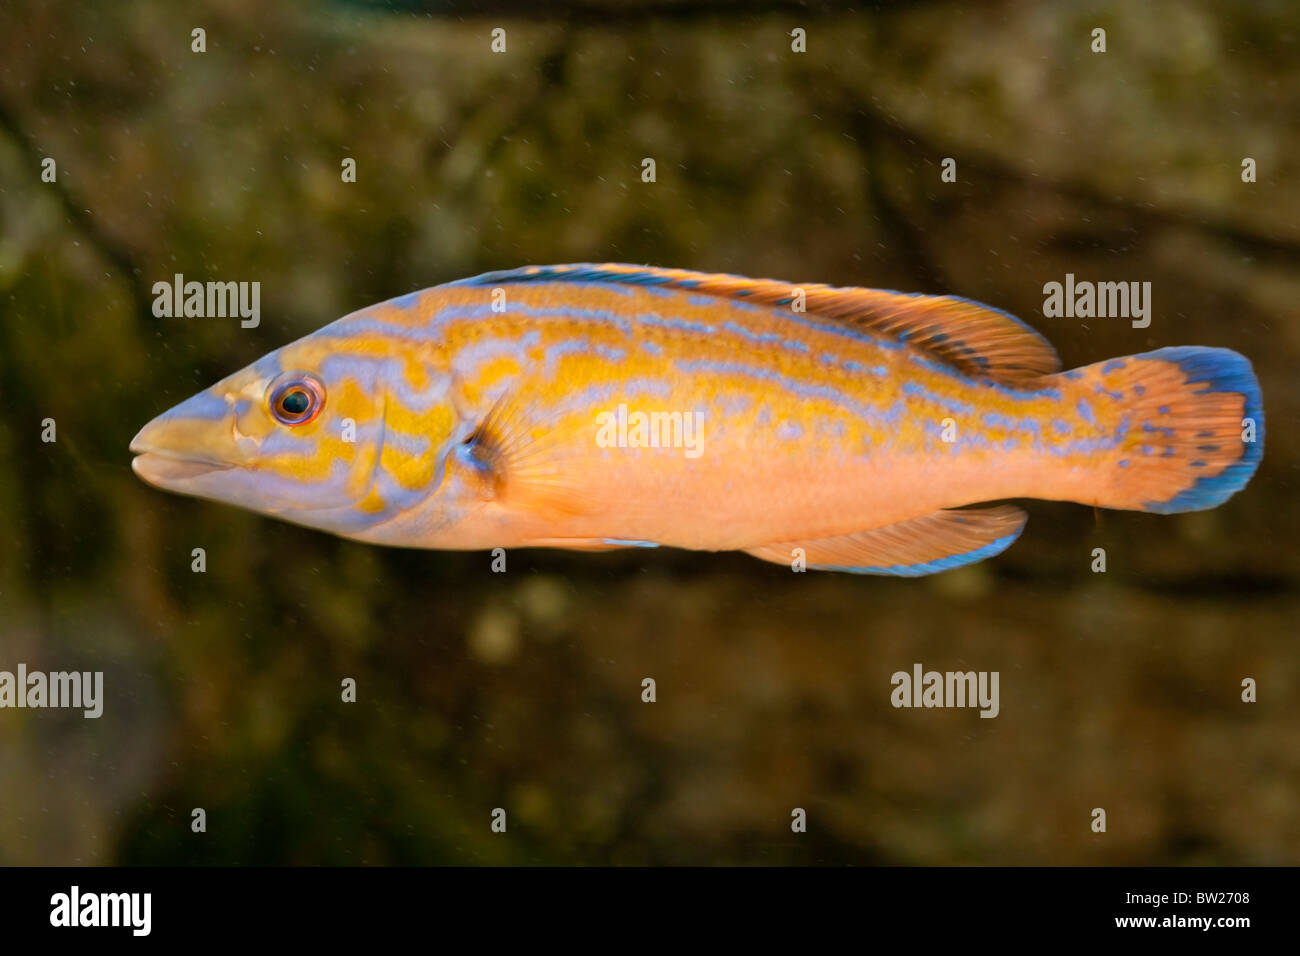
(295, 402)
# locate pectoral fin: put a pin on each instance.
(522, 461)
(937, 542)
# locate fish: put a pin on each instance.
(600, 406)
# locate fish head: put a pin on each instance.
(332, 431)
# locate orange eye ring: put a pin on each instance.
(296, 398)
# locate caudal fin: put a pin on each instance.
(1193, 430)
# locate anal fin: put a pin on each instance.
(936, 542)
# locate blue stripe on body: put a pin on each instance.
(802, 389)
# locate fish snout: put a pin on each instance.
(166, 460)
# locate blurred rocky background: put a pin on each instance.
(523, 690)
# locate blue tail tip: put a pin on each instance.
(1221, 370)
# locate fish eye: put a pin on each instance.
(296, 399)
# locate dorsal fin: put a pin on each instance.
(973, 338)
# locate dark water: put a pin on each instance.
(1118, 690)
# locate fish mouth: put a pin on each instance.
(165, 469)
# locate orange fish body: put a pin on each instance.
(598, 406)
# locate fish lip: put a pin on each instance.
(161, 469)
(181, 464)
